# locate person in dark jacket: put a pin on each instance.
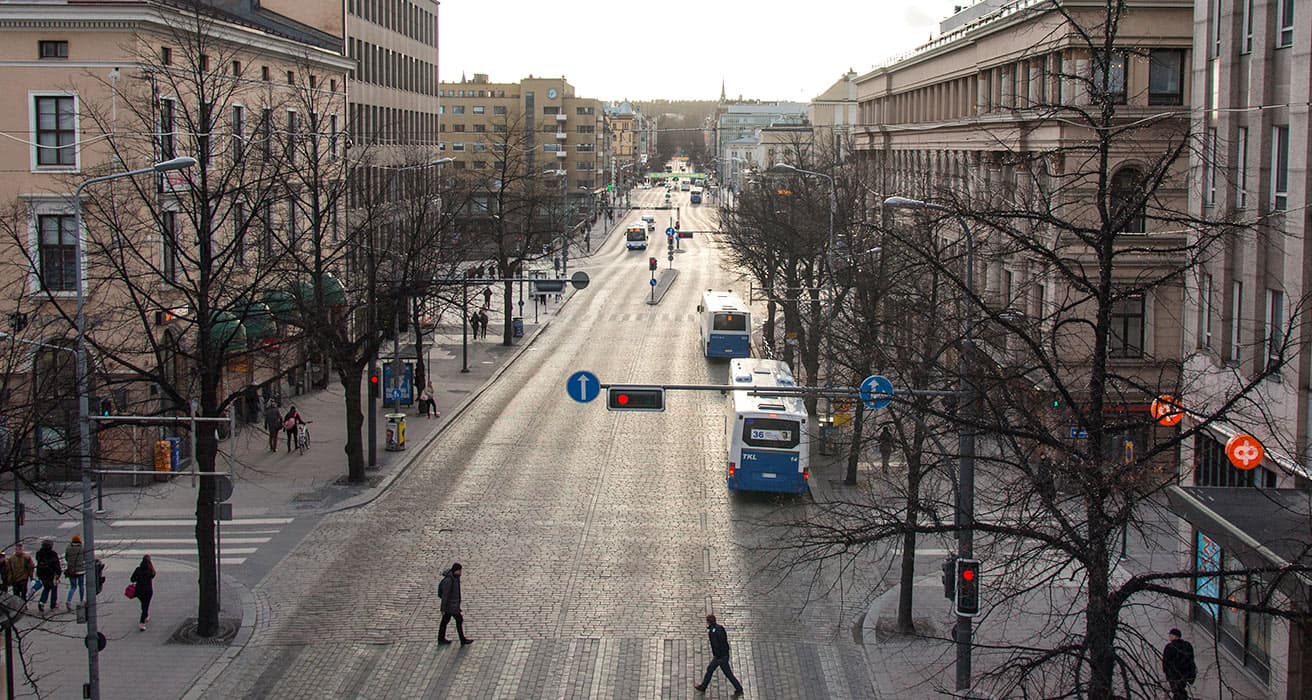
(289, 424)
(48, 571)
(449, 592)
(1178, 665)
(75, 570)
(144, 577)
(720, 657)
(483, 323)
(272, 423)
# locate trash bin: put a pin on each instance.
(395, 432)
(517, 327)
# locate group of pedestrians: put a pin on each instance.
(275, 422)
(478, 323)
(19, 571)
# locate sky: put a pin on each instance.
(643, 50)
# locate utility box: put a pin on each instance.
(395, 432)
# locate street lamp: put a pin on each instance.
(92, 639)
(966, 436)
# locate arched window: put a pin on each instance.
(1126, 192)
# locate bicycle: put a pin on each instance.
(303, 437)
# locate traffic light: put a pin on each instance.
(967, 583)
(950, 578)
(651, 263)
(374, 386)
(635, 398)
(106, 407)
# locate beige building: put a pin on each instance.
(560, 130)
(1244, 331)
(833, 115)
(104, 87)
(964, 117)
(395, 82)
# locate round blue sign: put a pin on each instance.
(583, 386)
(653, 281)
(669, 231)
(876, 392)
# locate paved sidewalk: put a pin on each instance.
(268, 486)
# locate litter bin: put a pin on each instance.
(395, 432)
(517, 327)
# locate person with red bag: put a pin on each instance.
(143, 588)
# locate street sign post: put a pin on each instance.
(876, 392)
(583, 386)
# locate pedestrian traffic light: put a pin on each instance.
(967, 582)
(635, 398)
(374, 386)
(106, 407)
(651, 263)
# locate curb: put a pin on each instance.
(668, 275)
(202, 683)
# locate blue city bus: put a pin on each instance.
(726, 325)
(695, 197)
(768, 444)
(635, 236)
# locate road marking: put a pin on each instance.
(931, 552)
(165, 523)
(151, 540)
(178, 552)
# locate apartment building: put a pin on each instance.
(394, 86)
(105, 87)
(1244, 333)
(622, 128)
(733, 122)
(559, 130)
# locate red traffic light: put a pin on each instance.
(651, 263)
(635, 398)
(622, 399)
(373, 379)
(968, 575)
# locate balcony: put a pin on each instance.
(561, 136)
(561, 154)
(561, 117)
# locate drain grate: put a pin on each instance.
(186, 633)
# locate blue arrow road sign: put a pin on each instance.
(653, 281)
(669, 231)
(583, 386)
(876, 392)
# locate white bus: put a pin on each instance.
(635, 236)
(726, 325)
(768, 444)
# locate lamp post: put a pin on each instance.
(92, 639)
(966, 436)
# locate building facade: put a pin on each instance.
(833, 115)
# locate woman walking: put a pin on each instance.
(73, 569)
(143, 577)
(289, 425)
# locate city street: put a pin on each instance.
(593, 543)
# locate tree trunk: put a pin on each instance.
(421, 375)
(854, 449)
(507, 298)
(1100, 616)
(207, 613)
(906, 585)
(351, 375)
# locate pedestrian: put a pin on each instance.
(19, 569)
(432, 400)
(144, 578)
(289, 424)
(473, 324)
(272, 423)
(885, 446)
(1178, 665)
(48, 572)
(719, 657)
(487, 297)
(75, 570)
(483, 321)
(449, 593)
(423, 402)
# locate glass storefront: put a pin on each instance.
(1244, 634)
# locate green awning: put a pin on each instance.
(227, 334)
(259, 322)
(334, 293)
(282, 304)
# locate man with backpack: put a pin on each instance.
(449, 593)
(1178, 665)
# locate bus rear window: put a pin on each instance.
(729, 322)
(771, 432)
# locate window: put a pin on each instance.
(239, 233)
(1165, 77)
(1241, 168)
(1114, 78)
(1126, 194)
(1217, 15)
(291, 77)
(168, 147)
(480, 147)
(264, 73)
(1205, 311)
(266, 132)
(551, 110)
(458, 146)
(52, 49)
(1274, 338)
(480, 128)
(479, 109)
(584, 111)
(771, 433)
(1280, 167)
(333, 136)
(499, 128)
(266, 233)
(168, 263)
(206, 131)
(1248, 26)
(56, 131)
(57, 257)
(204, 62)
(457, 109)
(236, 68)
(238, 133)
(165, 56)
(291, 136)
(587, 129)
(1126, 338)
(551, 147)
(498, 109)
(586, 147)
(1236, 316)
(1286, 36)
(1209, 167)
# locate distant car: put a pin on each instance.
(650, 221)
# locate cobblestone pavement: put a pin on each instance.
(593, 543)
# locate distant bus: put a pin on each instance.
(696, 195)
(635, 236)
(726, 325)
(768, 448)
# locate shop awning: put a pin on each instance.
(281, 303)
(334, 292)
(227, 334)
(259, 322)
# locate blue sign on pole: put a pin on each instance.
(669, 232)
(583, 386)
(876, 392)
(653, 281)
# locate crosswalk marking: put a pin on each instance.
(175, 523)
(176, 552)
(120, 542)
(106, 541)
